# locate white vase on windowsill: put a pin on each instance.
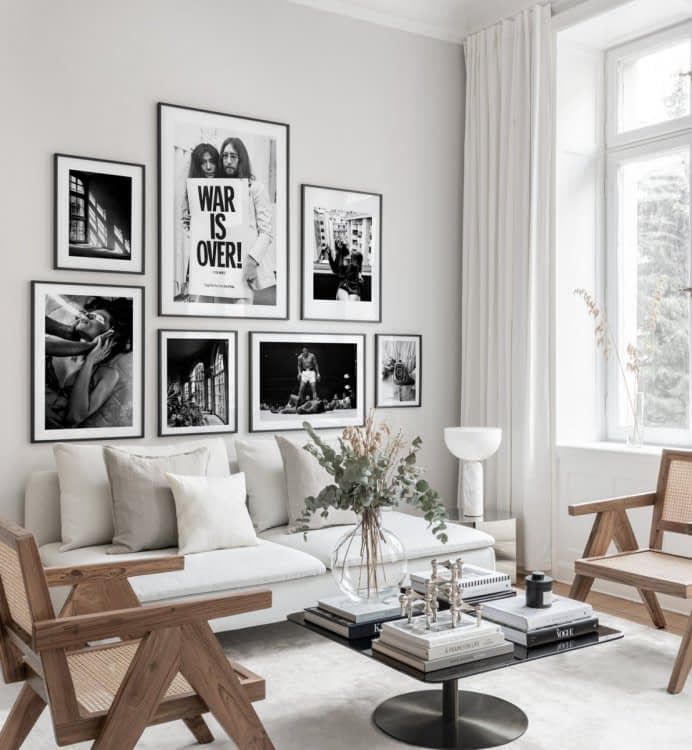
(635, 429)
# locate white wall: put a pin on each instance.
(84, 76)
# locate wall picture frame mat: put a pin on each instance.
(231, 336)
(63, 165)
(392, 404)
(166, 307)
(300, 337)
(40, 434)
(327, 310)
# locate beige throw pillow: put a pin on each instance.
(211, 513)
(305, 477)
(143, 507)
(260, 460)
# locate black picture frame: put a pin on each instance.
(173, 297)
(407, 373)
(99, 219)
(336, 417)
(319, 273)
(68, 298)
(231, 387)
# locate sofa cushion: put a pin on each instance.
(260, 460)
(211, 513)
(304, 478)
(85, 493)
(413, 532)
(206, 572)
(143, 507)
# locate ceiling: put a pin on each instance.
(450, 20)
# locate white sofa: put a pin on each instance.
(295, 569)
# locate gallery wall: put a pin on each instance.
(368, 107)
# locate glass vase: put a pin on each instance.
(369, 562)
(636, 427)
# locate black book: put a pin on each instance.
(344, 628)
(565, 632)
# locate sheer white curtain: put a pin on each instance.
(506, 277)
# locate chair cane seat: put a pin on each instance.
(98, 673)
(647, 569)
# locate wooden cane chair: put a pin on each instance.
(649, 570)
(164, 665)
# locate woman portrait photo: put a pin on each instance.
(87, 361)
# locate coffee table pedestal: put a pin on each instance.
(450, 718)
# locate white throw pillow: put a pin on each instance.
(305, 477)
(211, 513)
(86, 512)
(260, 461)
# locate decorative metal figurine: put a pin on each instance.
(434, 586)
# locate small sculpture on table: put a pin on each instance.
(436, 585)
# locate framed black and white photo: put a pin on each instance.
(99, 215)
(87, 370)
(342, 254)
(318, 377)
(398, 370)
(223, 215)
(198, 382)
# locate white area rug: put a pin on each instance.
(321, 695)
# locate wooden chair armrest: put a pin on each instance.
(138, 621)
(614, 503)
(71, 575)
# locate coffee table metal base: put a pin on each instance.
(450, 718)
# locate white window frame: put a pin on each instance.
(621, 148)
(638, 48)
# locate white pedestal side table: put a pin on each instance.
(503, 528)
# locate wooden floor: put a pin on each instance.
(628, 610)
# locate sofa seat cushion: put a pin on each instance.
(413, 532)
(205, 572)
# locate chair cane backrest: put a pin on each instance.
(673, 509)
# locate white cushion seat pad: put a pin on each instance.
(413, 531)
(204, 572)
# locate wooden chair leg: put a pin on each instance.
(206, 668)
(600, 537)
(21, 719)
(200, 730)
(151, 671)
(626, 541)
(683, 662)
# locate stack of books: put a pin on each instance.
(352, 620)
(565, 620)
(477, 584)
(442, 646)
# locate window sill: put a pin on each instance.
(565, 449)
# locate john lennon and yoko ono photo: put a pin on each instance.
(223, 239)
(88, 366)
(314, 377)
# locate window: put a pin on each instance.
(220, 387)
(198, 384)
(77, 209)
(649, 142)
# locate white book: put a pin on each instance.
(475, 581)
(514, 612)
(453, 660)
(440, 633)
(443, 649)
(360, 611)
